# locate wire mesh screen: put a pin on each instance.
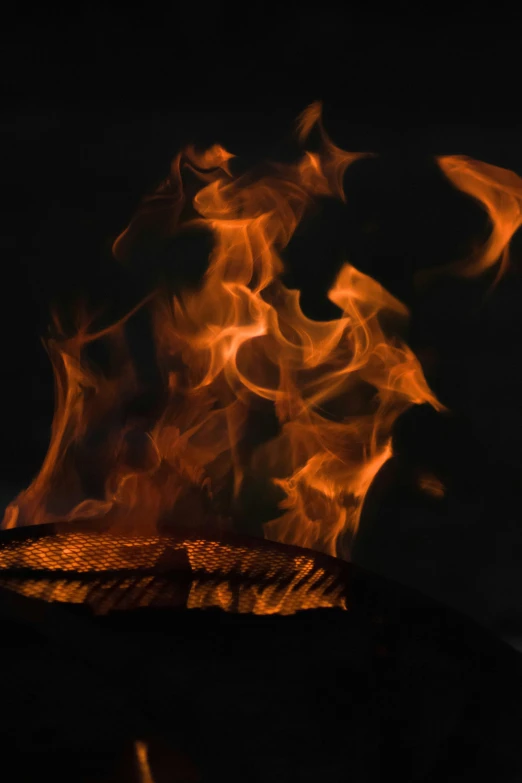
(108, 571)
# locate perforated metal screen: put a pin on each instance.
(108, 571)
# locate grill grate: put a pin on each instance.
(107, 571)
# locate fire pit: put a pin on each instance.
(110, 678)
(148, 637)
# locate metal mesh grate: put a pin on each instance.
(107, 572)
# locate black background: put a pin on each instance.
(94, 107)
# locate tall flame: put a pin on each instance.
(233, 349)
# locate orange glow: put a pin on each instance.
(237, 347)
(431, 485)
(142, 757)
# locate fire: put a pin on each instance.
(233, 349)
(499, 192)
(142, 757)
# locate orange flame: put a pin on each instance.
(499, 191)
(237, 347)
(142, 757)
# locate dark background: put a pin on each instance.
(94, 107)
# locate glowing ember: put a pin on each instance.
(239, 346)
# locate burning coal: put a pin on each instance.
(234, 348)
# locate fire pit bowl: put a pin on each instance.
(190, 657)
